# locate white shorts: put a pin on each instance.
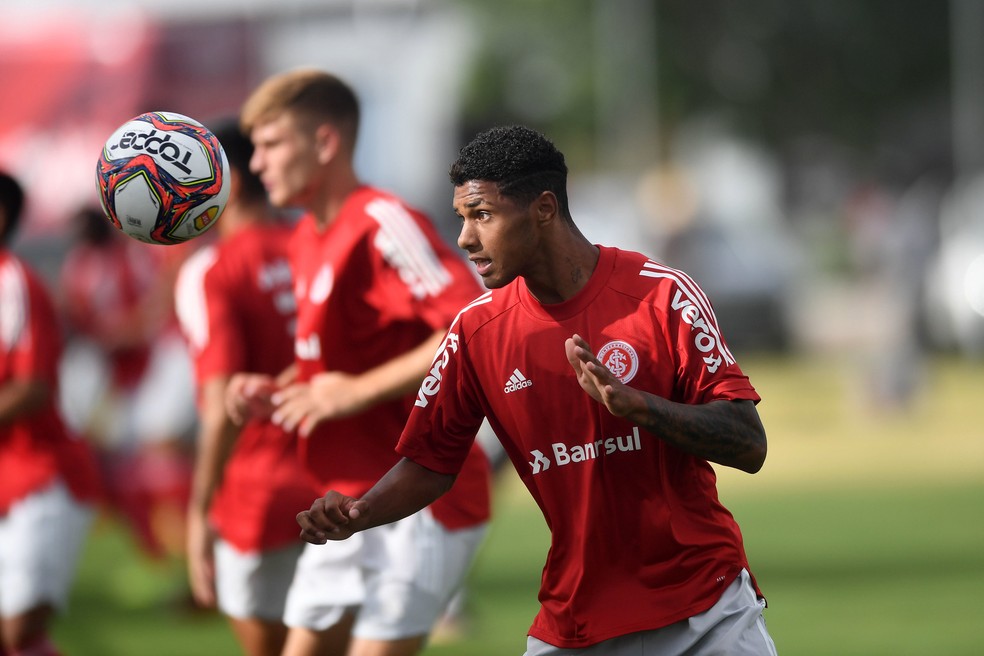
(399, 577)
(254, 584)
(41, 538)
(733, 626)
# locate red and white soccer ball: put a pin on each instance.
(163, 178)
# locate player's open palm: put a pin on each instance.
(596, 379)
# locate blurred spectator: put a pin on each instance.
(127, 381)
(892, 238)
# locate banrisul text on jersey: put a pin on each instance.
(565, 454)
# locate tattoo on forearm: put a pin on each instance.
(710, 433)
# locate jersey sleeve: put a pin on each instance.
(206, 313)
(706, 369)
(223, 351)
(26, 319)
(447, 411)
(427, 279)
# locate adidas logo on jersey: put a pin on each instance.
(516, 382)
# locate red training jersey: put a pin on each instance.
(104, 290)
(35, 448)
(377, 282)
(639, 539)
(236, 305)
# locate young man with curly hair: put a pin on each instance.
(606, 378)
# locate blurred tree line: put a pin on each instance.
(870, 75)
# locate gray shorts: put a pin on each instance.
(733, 626)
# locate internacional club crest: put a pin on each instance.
(620, 359)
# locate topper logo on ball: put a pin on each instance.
(162, 178)
(151, 143)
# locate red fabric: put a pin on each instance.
(639, 538)
(36, 448)
(105, 291)
(376, 283)
(239, 316)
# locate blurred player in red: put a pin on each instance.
(376, 289)
(127, 382)
(605, 376)
(48, 478)
(235, 301)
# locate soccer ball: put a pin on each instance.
(163, 178)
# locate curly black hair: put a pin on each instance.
(520, 160)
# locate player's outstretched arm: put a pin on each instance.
(729, 433)
(405, 489)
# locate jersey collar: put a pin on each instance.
(577, 303)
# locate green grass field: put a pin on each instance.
(865, 530)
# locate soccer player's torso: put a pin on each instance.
(253, 272)
(373, 285)
(637, 531)
(355, 308)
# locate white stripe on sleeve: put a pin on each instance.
(406, 248)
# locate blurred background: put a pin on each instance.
(817, 166)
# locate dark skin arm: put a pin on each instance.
(729, 433)
(405, 489)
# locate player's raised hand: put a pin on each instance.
(596, 379)
(331, 517)
(249, 396)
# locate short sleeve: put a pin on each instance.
(447, 411)
(706, 370)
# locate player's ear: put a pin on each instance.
(545, 207)
(327, 141)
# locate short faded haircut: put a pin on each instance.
(312, 95)
(523, 162)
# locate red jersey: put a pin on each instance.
(377, 282)
(37, 448)
(236, 305)
(639, 539)
(103, 288)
